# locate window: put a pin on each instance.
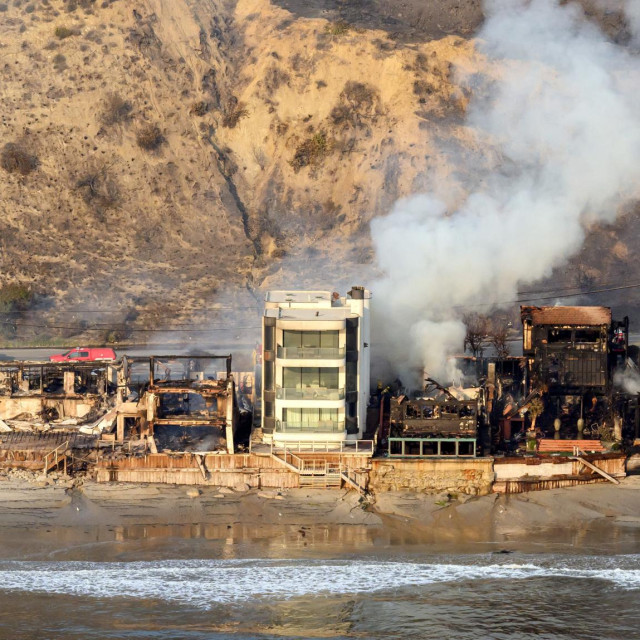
(79, 354)
(586, 335)
(559, 335)
(186, 404)
(352, 376)
(527, 335)
(310, 339)
(268, 375)
(310, 416)
(269, 337)
(314, 377)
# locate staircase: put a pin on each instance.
(56, 457)
(318, 474)
(326, 476)
(355, 479)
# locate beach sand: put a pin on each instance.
(80, 520)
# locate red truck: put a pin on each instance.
(85, 354)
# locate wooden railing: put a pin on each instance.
(54, 457)
(360, 447)
(327, 473)
(355, 479)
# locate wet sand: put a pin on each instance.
(72, 521)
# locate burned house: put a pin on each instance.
(571, 354)
(50, 391)
(569, 348)
(188, 408)
(438, 424)
(52, 414)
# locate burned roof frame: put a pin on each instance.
(194, 356)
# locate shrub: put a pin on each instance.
(63, 32)
(115, 109)
(338, 28)
(358, 101)
(310, 152)
(199, 108)
(59, 62)
(423, 88)
(149, 137)
(274, 78)
(98, 189)
(14, 158)
(360, 96)
(14, 297)
(234, 112)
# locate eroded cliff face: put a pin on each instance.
(182, 152)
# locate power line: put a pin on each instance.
(553, 295)
(550, 297)
(231, 327)
(124, 311)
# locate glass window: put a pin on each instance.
(269, 333)
(329, 339)
(311, 377)
(291, 378)
(352, 376)
(309, 416)
(310, 339)
(329, 378)
(268, 375)
(314, 377)
(291, 339)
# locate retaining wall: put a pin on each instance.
(473, 476)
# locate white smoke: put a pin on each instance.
(627, 379)
(632, 11)
(563, 117)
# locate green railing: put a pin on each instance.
(425, 447)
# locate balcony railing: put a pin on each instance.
(309, 393)
(311, 353)
(322, 426)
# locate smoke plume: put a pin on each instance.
(627, 379)
(563, 118)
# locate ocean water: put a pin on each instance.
(465, 596)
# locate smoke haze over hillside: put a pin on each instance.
(563, 118)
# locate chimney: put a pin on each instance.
(357, 293)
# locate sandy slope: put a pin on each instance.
(286, 126)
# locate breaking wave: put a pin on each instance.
(205, 582)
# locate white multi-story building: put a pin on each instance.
(315, 378)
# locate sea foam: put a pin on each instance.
(205, 582)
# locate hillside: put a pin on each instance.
(167, 157)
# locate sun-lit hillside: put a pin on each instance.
(160, 157)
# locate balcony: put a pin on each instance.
(323, 426)
(309, 393)
(311, 353)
